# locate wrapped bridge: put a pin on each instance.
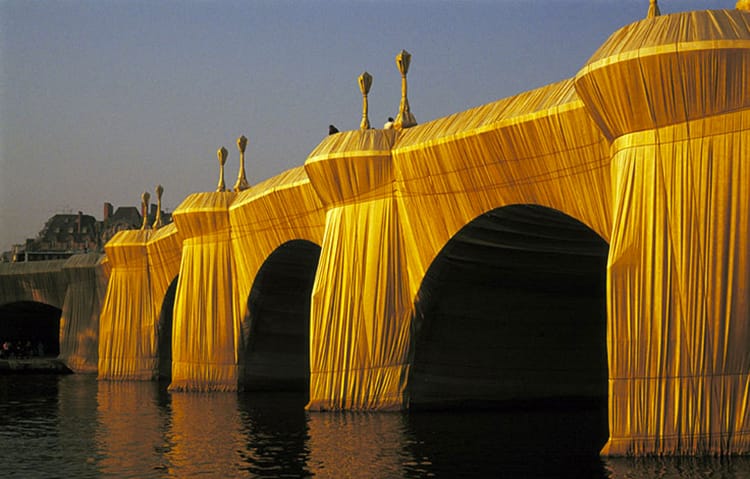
(588, 238)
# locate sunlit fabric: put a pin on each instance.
(679, 280)
(646, 148)
(204, 329)
(86, 277)
(127, 335)
(437, 178)
(357, 358)
(164, 253)
(256, 234)
(672, 92)
(359, 331)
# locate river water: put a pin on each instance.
(74, 426)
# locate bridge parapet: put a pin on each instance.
(40, 281)
(283, 208)
(164, 254)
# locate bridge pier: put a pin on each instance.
(361, 314)
(127, 337)
(679, 324)
(361, 310)
(676, 112)
(205, 330)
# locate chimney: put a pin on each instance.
(107, 211)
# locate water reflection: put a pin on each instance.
(132, 423)
(275, 435)
(357, 444)
(74, 426)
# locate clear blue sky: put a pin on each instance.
(101, 100)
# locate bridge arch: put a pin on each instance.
(513, 308)
(164, 331)
(34, 322)
(274, 348)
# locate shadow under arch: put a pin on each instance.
(164, 331)
(33, 322)
(513, 310)
(274, 353)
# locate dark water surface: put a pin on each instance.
(76, 427)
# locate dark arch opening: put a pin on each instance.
(33, 328)
(276, 333)
(164, 331)
(513, 312)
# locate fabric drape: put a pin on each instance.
(256, 234)
(679, 285)
(360, 322)
(672, 94)
(127, 331)
(86, 277)
(39, 281)
(204, 328)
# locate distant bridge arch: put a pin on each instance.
(35, 281)
(74, 286)
(32, 326)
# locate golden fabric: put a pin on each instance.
(257, 233)
(203, 328)
(647, 146)
(164, 251)
(359, 329)
(669, 69)
(679, 282)
(354, 165)
(672, 93)
(86, 277)
(375, 252)
(127, 335)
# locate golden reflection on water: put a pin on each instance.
(368, 444)
(205, 433)
(83, 428)
(144, 431)
(130, 437)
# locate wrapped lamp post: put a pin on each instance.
(365, 82)
(158, 221)
(241, 183)
(222, 154)
(145, 197)
(405, 119)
